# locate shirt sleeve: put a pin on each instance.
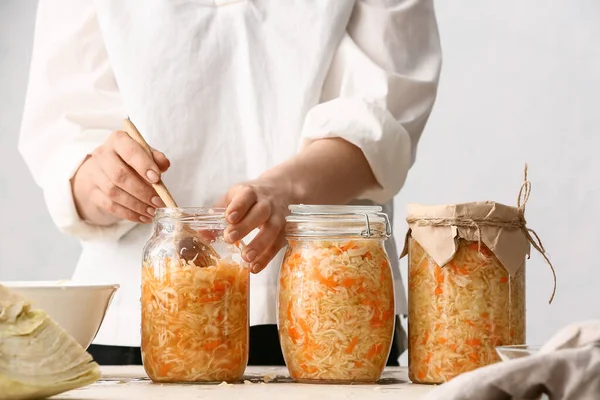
(381, 87)
(72, 105)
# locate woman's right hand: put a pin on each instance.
(114, 182)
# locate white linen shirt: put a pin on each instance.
(227, 90)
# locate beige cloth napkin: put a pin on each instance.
(566, 368)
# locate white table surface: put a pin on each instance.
(131, 382)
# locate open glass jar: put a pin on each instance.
(336, 294)
(194, 317)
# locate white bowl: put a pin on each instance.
(79, 308)
(508, 353)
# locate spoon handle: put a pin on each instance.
(160, 187)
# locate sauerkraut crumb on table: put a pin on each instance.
(194, 321)
(458, 314)
(336, 310)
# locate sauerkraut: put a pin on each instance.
(458, 314)
(336, 310)
(194, 321)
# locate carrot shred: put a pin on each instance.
(504, 279)
(212, 344)
(222, 285)
(210, 298)
(348, 246)
(294, 334)
(308, 368)
(387, 315)
(304, 325)
(352, 345)
(325, 281)
(462, 270)
(425, 338)
(348, 282)
(166, 368)
(375, 349)
(439, 275)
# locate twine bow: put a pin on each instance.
(468, 222)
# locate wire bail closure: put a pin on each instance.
(367, 232)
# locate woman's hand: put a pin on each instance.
(262, 203)
(114, 182)
(327, 171)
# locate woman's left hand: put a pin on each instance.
(261, 203)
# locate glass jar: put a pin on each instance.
(336, 304)
(194, 318)
(459, 313)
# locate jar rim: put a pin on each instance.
(337, 221)
(190, 214)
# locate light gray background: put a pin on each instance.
(520, 84)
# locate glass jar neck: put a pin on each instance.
(339, 222)
(196, 218)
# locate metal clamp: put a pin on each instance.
(388, 227)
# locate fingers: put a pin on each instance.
(124, 177)
(247, 211)
(103, 202)
(161, 160)
(134, 155)
(268, 234)
(114, 182)
(267, 256)
(117, 195)
(258, 215)
(242, 199)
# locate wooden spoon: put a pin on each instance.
(190, 245)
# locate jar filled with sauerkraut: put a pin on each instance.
(194, 309)
(466, 286)
(336, 309)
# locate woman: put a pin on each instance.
(251, 104)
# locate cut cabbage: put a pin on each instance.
(195, 321)
(38, 359)
(336, 310)
(458, 314)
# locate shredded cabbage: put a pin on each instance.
(336, 310)
(458, 314)
(195, 321)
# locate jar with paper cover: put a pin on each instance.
(466, 285)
